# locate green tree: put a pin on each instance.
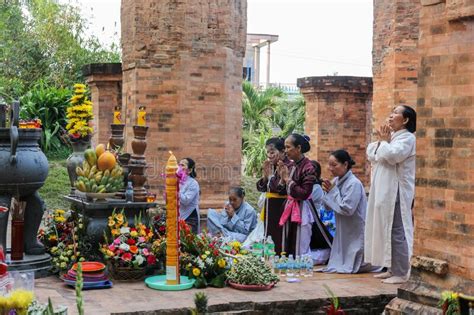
(289, 116)
(47, 41)
(265, 114)
(257, 110)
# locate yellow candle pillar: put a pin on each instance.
(141, 116)
(172, 216)
(117, 115)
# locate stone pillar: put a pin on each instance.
(105, 83)
(183, 61)
(444, 222)
(395, 56)
(337, 109)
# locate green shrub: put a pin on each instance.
(49, 104)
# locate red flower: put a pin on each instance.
(127, 257)
(133, 229)
(131, 241)
(151, 259)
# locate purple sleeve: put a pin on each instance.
(302, 183)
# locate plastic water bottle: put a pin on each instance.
(309, 266)
(283, 264)
(129, 192)
(290, 266)
(257, 249)
(269, 247)
(297, 269)
(275, 261)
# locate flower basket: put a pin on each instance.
(127, 274)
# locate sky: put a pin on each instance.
(316, 37)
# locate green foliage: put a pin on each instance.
(289, 116)
(200, 300)
(48, 104)
(258, 106)
(45, 40)
(251, 192)
(251, 270)
(266, 114)
(56, 186)
(255, 152)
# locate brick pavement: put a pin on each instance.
(136, 298)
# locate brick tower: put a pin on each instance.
(439, 36)
(182, 60)
(337, 112)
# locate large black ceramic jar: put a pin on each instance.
(23, 165)
(23, 170)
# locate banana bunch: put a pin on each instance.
(91, 179)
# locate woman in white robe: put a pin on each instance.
(389, 225)
(346, 197)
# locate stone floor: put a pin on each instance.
(136, 298)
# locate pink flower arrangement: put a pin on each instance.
(131, 244)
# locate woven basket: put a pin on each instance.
(126, 273)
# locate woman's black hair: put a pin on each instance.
(191, 167)
(317, 169)
(301, 140)
(409, 113)
(277, 142)
(239, 191)
(342, 156)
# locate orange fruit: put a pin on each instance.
(106, 161)
(99, 150)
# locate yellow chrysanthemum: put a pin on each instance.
(221, 263)
(59, 219)
(196, 272)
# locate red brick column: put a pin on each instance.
(183, 61)
(337, 109)
(395, 56)
(105, 83)
(444, 218)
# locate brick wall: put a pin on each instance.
(337, 111)
(183, 61)
(394, 55)
(444, 214)
(444, 197)
(105, 84)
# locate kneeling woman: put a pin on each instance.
(346, 196)
(236, 221)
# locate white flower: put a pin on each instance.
(209, 261)
(200, 263)
(139, 259)
(124, 246)
(124, 230)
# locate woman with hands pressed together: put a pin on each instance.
(275, 194)
(298, 178)
(345, 195)
(236, 220)
(389, 225)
